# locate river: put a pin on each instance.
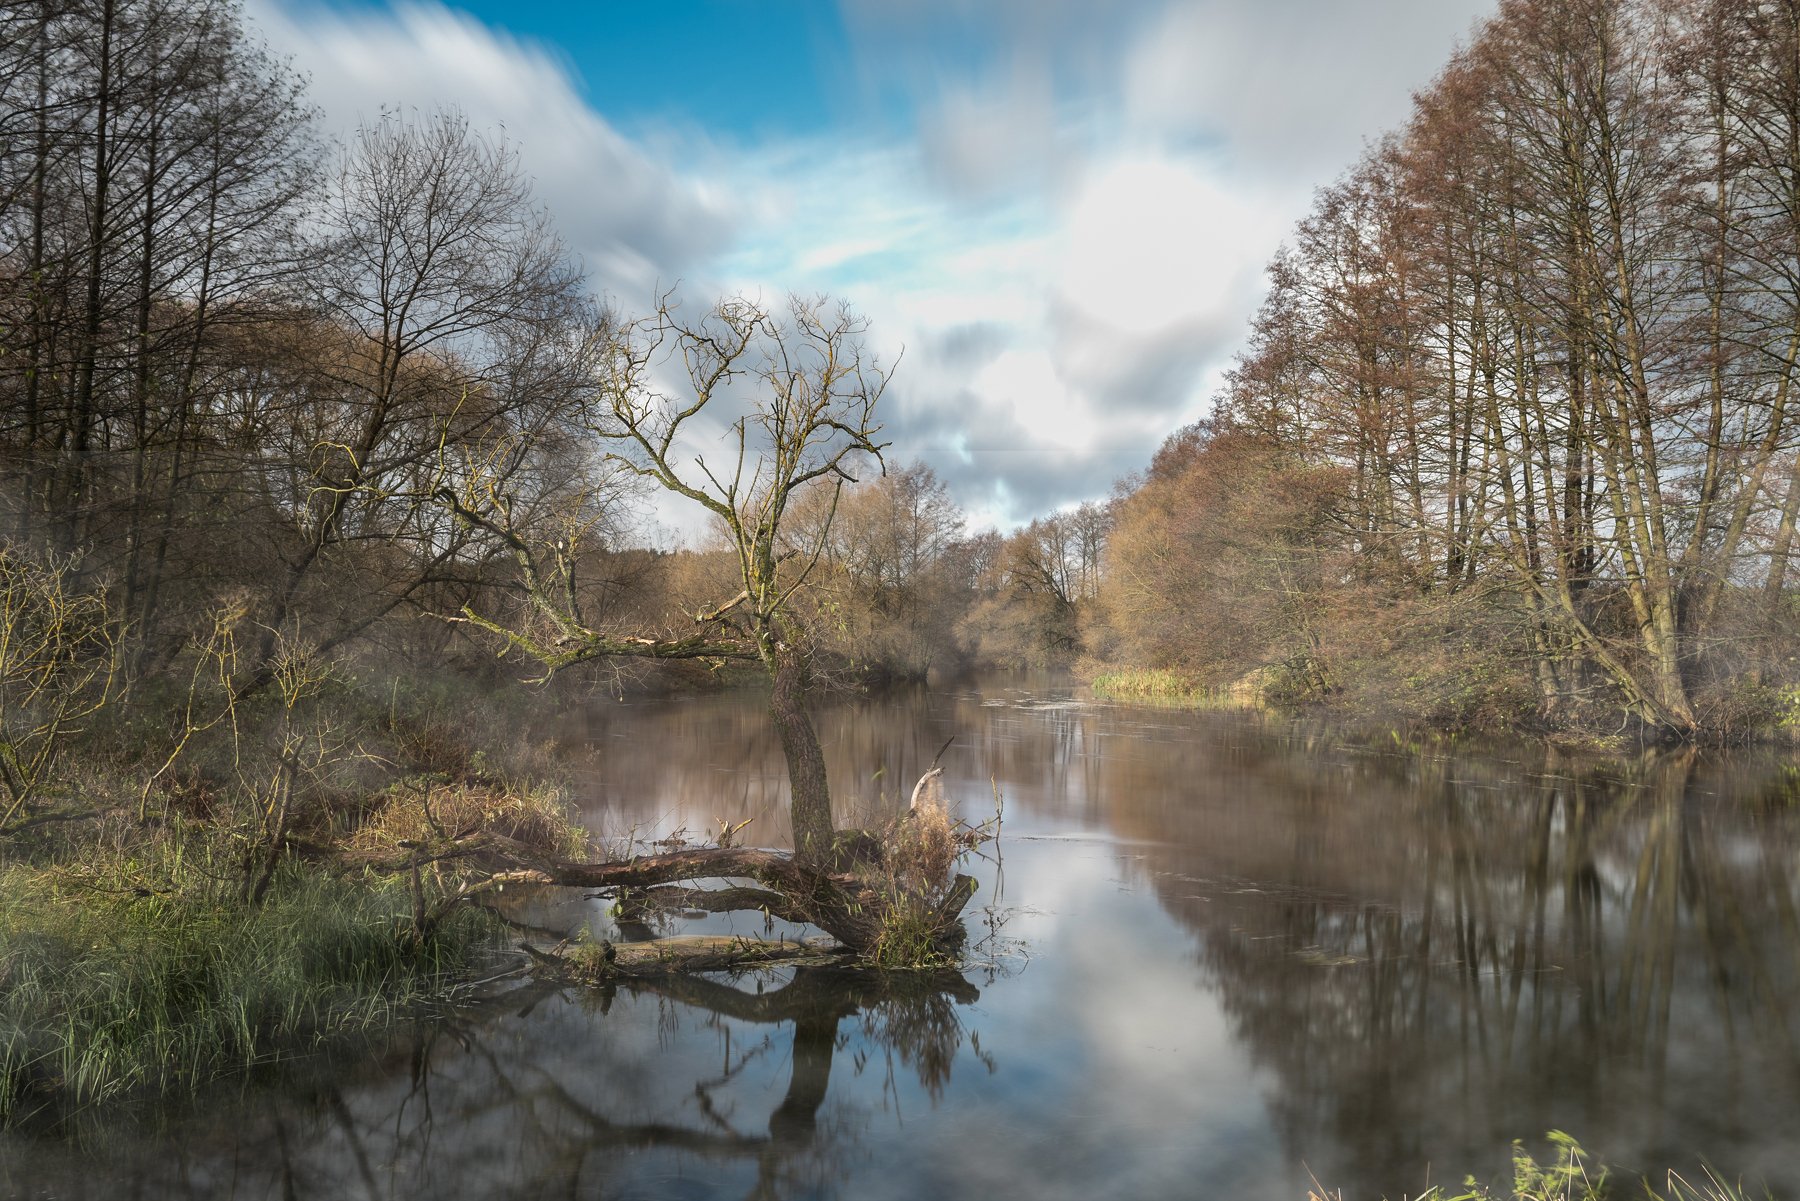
(1215, 955)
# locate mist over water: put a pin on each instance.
(1230, 949)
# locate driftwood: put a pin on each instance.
(844, 904)
(678, 956)
(887, 899)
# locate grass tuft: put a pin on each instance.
(1165, 686)
(110, 994)
(917, 869)
(1572, 1174)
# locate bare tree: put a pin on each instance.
(450, 304)
(810, 416)
(791, 396)
(886, 597)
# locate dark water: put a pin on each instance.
(1228, 950)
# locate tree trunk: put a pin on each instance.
(810, 803)
(76, 498)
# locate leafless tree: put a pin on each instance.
(793, 394)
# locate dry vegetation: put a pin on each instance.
(1511, 440)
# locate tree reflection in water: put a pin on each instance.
(1254, 944)
(1431, 950)
(1437, 954)
(483, 1105)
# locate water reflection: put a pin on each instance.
(1447, 952)
(1428, 953)
(646, 1088)
(1252, 945)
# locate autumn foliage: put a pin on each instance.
(1512, 436)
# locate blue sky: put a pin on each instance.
(1058, 209)
(744, 70)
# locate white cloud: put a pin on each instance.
(1068, 246)
(1151, 243)
(1026, 386)
(635, 219)
(1290, 88)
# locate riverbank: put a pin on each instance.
(1423, 706)
(148, 949)
(115, 991)
(1571, 1173)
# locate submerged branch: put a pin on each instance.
(846, 906)
(721, 900)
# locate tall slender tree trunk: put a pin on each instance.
(81, 436)
(36, 363)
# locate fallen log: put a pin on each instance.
(591, 963)
(844, 905)
(887, 897)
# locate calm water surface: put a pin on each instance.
(1219, 951)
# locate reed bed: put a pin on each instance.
(1164, 686)
(105, 994)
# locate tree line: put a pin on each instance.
(229, 361)
(1510, 438)
(1513, 435)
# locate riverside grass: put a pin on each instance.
(1572, 1174)
(1132, 683)
(109, 995)
(1163, 686)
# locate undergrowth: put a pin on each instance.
(536, 815)
(108, 993)
(1572, 1174)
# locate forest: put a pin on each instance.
(1511, 440)
(311, 401)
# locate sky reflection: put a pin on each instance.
(1232, 949)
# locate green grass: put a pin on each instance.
(909, 939)
(105, 995)
(1572, 1174)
